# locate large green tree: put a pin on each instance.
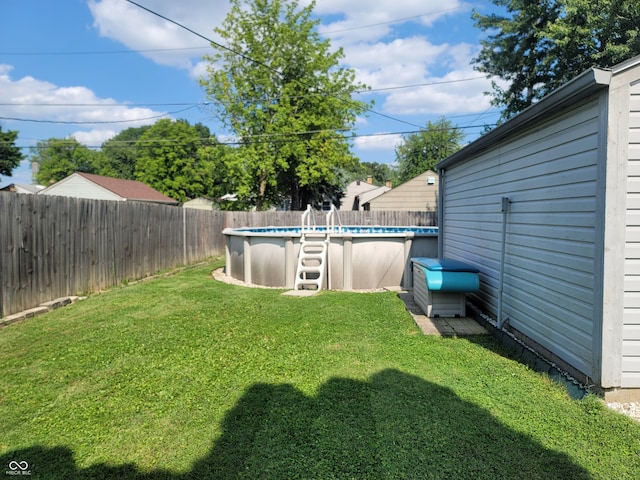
(535, 47)
(10, 155)
(280, 89)
(121, 154)
(422, 150)
(381, 173)
(171, 159)
(60, 157)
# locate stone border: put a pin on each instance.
(43, 308)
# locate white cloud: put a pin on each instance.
(452, 93)
(94, 137)
(142, 31)
(387, 44)
(370, 20)
(378, 142)
(36, 100)
(401, 51)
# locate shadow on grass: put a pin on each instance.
(394, 426)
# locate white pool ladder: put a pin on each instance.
(312, 258)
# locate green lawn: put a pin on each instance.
(185, 377)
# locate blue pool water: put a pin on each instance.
(352, 229)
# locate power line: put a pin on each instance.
(192, 106)
(100, 52)
(252, 60)
(397, 20)
(260, 139)
(119, 105)
(204, 104)
(95, 122)
(160, 50)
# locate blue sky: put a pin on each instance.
(91, 68)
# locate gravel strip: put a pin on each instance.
(631, 409)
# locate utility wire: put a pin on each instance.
(100, 52)
(252, 60)
(397, 20)
(160, 50)
(65, 122)
(95, 122)
(255, 139)
(177, 104)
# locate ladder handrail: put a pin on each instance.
(332, 216)
(307, 216)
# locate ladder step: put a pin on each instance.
(311, 257)
(317, 269)
(311, 262)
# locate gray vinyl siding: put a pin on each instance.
(549, 171)
(631, 315)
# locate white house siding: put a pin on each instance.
(549, 172)
(631, 315)
(79, 187)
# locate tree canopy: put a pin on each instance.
(539, 46)
(279, 88)
(171, 159)
(60, 157)
(10, 155)
(421, 151)
(380, 173)
(121, 153)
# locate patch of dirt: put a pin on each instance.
(220, 276)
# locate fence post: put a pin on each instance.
(184, 236)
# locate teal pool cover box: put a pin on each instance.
(439, 285)
(448, 275)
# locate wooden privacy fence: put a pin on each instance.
(347, 217)
(57, 246)
(53, 247)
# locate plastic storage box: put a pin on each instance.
(440, 284)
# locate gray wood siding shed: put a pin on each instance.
(570, 165)
(549, 172)
(630, 376)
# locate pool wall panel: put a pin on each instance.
(359, 261)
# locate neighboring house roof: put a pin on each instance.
(88, 185)
(366, 197)
(199, 203)
(22, 188)
(352, 193)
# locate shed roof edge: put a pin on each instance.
(581, 86)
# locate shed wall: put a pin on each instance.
(631, 315)
(549, 172)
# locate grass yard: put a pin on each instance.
(185, 377)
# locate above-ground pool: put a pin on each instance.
(358, 257)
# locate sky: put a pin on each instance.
(89, 69)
